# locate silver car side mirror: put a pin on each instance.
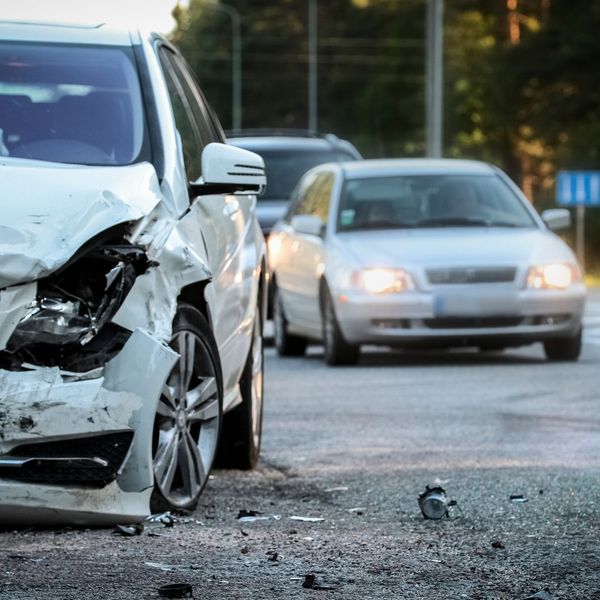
(309, 224)
(557, 218)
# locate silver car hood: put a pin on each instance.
(50, 210)
(452, 246)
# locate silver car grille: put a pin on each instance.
(456, 275)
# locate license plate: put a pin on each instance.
(473, 305)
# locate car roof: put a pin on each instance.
(38, 31)
(414, 166)
(260, 143)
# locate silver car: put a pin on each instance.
(421, 253)
(132, 280)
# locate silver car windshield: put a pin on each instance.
(70, 104)
(412, 201)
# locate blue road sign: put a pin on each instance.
(578, 188)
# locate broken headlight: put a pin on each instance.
(75, 303)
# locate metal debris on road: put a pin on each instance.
(307, 519)
(176, 590)
(518, 498)
(166, 518)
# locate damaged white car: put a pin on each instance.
(132, 280)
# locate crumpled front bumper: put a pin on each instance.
(45, 405)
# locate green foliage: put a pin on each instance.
(530, 103)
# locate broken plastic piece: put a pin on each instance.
(518, 498)
(176, 590)
(307, 519)
(129, 530)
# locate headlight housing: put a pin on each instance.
(76, 302)
(383, 280)
(553, 276)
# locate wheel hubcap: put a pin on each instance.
(187, 422)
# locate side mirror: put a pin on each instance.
(557, 218)
(227, 169)
(307, 224)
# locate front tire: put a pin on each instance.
(565, 349)
(188, 418)
(242, 427)
(336, 350)
(286, 343)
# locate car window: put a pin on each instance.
(315, 197)
(285, 167)
(191, 138)
(71, 103)
(430, 201)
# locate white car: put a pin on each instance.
(421, 253)
(132, 280)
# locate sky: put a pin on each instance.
(143, 14)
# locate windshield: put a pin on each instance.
(285, 167)
(70, 104)
(430, 201)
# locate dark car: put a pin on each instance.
(288, 154)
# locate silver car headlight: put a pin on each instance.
(553, 276)
(383, 280)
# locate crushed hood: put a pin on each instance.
(50, 210)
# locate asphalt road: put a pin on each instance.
(355, 447)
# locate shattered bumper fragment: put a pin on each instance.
(76, 448)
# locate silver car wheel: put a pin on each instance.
(188, 418)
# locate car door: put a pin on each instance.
(222, 219)
(304, 253)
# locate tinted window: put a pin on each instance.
(285, 167)
(191, 140)
(430, 201)
(71, 104)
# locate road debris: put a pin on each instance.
(543, 595)
(273, 556)
(176, 590)
(433, 502)
(340, 488)
(166, 518)
(161, 566)
(518, 498)
(245, 550)
(312, 583)
(307, 519)
(129, 530)
(359, 510)
(249, 516)
(498, 544)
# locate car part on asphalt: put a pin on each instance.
(312, 583)
(434, 503)
(176, 590)
(129, 530)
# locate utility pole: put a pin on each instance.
(236, 62)
(312, 66)
(434, 115)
